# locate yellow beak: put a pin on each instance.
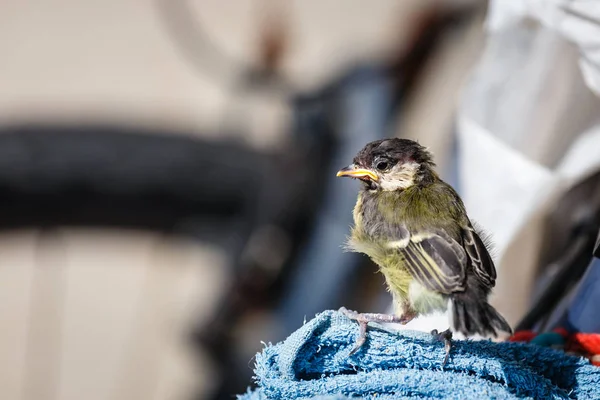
(353, 172)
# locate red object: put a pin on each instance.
(586, 344)
(522, 336)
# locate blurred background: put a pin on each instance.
(168, 199)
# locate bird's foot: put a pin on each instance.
(446, 337)
(364, 318)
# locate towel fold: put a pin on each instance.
(313, 363)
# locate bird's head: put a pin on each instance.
(391, 164)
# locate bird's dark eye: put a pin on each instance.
(382, 165)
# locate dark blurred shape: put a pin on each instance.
(111, 176)
(432, 28)
(568, 246)
(582, 312)
(286, 211)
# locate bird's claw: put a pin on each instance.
(363, 320)
(362, 323)
(349, 313)
(362, 337)
(445, 336)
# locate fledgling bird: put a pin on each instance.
(414, 226)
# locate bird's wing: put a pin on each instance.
(435, 260)
(480, 258)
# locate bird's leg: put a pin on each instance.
(364, 318)
(446, 336)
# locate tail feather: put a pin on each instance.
(471, 318)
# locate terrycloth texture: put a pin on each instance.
(313, 363)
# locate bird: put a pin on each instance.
(415, 227)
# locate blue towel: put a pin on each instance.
(313, 363)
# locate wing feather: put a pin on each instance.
(482, 262)
(435, 260)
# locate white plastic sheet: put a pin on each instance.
(577, 20)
